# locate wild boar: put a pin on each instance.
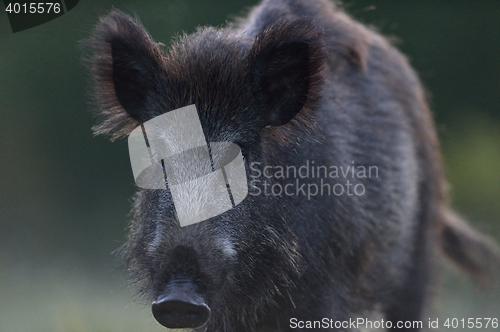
(298, 83)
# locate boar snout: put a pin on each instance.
(180, 306)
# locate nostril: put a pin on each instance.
(178, 314)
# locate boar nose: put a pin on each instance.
(181, 307)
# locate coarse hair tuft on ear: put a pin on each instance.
(286, 66)
(128, 74)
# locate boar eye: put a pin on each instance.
(247, 155)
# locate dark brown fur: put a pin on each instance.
(334, 257)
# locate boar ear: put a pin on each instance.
(285, 66)
(128, 73)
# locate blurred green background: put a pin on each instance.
(65, 195)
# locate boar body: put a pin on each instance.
(295, 82)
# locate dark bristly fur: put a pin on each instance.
(296, 81)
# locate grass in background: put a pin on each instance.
(67, 299)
